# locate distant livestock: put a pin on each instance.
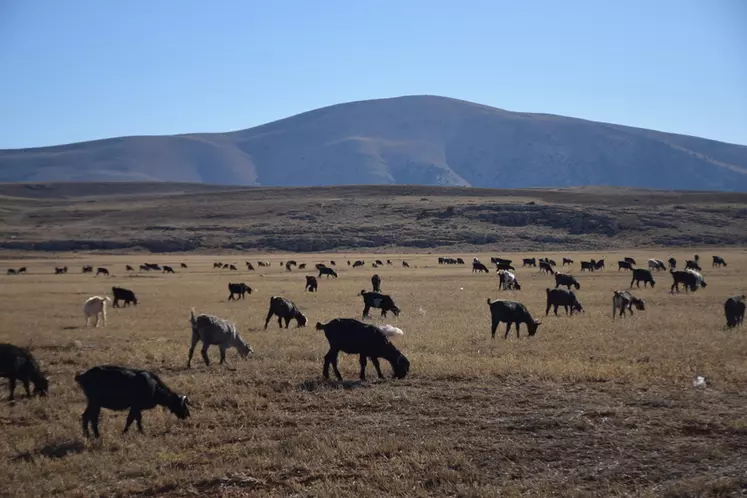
(546, 267)
(120, 388)
(587, 266)
(59, 271)
(623, 300)
(692, 265)
(238, 289)
(656, 264)
(672, 263)
(689, 278)
(567, 280)
(285, 309)
(479, 267)
(363, 339)
(231, 267)
(212, 330)
(718, 261)
(96, 307)
(327, 271)
(503, 266)
(529, 262)
(249, 266)
(379, 301)
(144, 268)
(624, 265)
(311, 284)
(734, 311)
(125, 295)
(302, 266)
(507, 280)
(630, 260)
(358, 263)
(567, 261)
(405, 264)
(376, 283)
(642, 275)
(87, 269)
(12, 271)
(102, 271)
(510, 312)
(168, 269)
(183, 265)
(129, 268)
(21, 270)
(499, 261)
(599, 265)
(562, 297)
(18, 363)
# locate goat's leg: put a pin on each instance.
(130, 419)
(517, 329)
(269, 316)
(222, 348)
(493, 327)
(334, 367)
(287, 321)
(376, 365)
(508, 329)
(554, 310)
(12, 386)
(85, 419)
(547, 310)
(139, 421)
(327, 362)
(27, 387)
(366, 308)
(94, 414)
(192, 350)
(204, 354)
(363, 366)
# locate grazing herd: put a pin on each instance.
(121, 388)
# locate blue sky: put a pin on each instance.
(77, 70)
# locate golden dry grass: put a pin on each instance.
(588, 407)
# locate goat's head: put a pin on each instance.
(243, 347)
(400, 365)
(639, 304)
(179, 406)
(395, 310)
(576, 285)
(532, 327)
(41, 385)
(577, 307)
(302, 320)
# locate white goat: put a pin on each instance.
(507, 280)
(656, 264)
(212, 330)
(699, 280)
(94, 307)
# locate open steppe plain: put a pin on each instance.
(587, 407)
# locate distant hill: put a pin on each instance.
(422, 140)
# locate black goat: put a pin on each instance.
(692, 265)
(125, 295)
(168, 269)
(546, 267)
(567, 261)
(479, 267)
(599, 265)
(380, 301)
(327, 271)
(87, 269)
(359, 263)
(366, 340)
(376, 283)
(102, 271)
(587, 266)
(689, 278)
(284, 309)
(405, 264)
(642, 275)
(311, 284)
(734, 311)
(129, 268)
(624, 265)
(672, 263)
(511, 312)
(183, 265)
(562, 297)
(249, 266)
(718, 261)
(529, 262)
(16, 364)
(121, 388)
(567, 280)
(238, 289)
(630, 260)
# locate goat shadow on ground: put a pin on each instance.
(55, 450)
(314, 385)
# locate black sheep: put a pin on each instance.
(380, 301)
(734, 311)
(284, 309)
(121, 388)
(125, 295)
(562, 297)
(511, 312)
(376, 283)
(369, 341)
(16, 364)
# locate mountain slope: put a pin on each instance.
(407, 140)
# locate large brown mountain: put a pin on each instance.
(407, 140)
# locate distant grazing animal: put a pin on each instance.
(288, 266)
(59, 271)
(332, 263)
(624, 265)
(144, 268)
(500, 261)
(183, 265)
(168, 269)
(567, 280)
(11, 271)
(630, 260)
(261, 263)
(507, 280)
(697, 258)
(562, 297)
(623, 300)
(319, 266)
(374, 265)
(502, 266)
(718, 261)
(87, 269)
(672, 264)
(529, 262)
(379, 301)
(656, 264)
(642, 275)
(376, 283)
(18, 363)
(405, 264)
(567, 261)
(366, 340)
(327, 271)
(379, 262)
(94, 307)
(212, 330)
(587, 266)
(545, 267)
(129, 268)
(460, 261)
(358, 263)
(479, 267)
(102, 271)
(238, 289)
(692, 265)
(125, 295)
(389, 261)
(121, 388)
(153, 266)
(232, 267)
(734, 311)
(220, 265)
(302, 266)
(599, 265)
(285, 309)
(311, 284)
(510, 312)
(22, 270)
(689, 278)
(348, 262)
(249, 266)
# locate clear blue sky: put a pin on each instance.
(74, 70)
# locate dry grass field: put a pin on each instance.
(587, 407)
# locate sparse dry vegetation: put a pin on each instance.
(588, 407)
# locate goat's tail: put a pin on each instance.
(192, 318)
(319, 326)
(391, 330)
(489, 301)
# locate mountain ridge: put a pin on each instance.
(425, 140)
